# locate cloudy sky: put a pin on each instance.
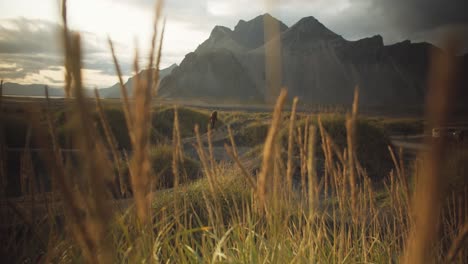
(30, 49)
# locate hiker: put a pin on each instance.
(213, 118)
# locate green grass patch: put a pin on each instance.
(161, 162)
(252, 134)
(371, 142)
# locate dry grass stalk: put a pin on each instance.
(292, 121)
(430, 190)
(311, 172)
(302, 158)
(113, 145)
(211, 153)
(204, 160)
(176, 160)
(89, 233)
(350, 137)
(458, 244)
(232, 152)
(123, 91)
(402, 179)
(140, 164)
(175, 148)
(78, 228)
(268, 149)
(95, 165)
(66, 44)
(325, 153)
(179, 146)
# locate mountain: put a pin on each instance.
(114, 90)
(318, 65)
(215, 69)
(15, 89)
(245, 36)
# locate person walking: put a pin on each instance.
(213, 118)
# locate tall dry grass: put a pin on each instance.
(333, 214)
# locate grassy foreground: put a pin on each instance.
(232, 214)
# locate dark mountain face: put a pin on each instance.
(245, 36)
(251, 34)
(306, 33)
(206, 75)
(318, 65)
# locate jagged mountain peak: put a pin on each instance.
(258, 21)
(251, 34)
(247, 35)
(309, 28)
(220, 31)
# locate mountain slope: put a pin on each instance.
(206, 74)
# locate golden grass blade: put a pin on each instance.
(210, 152)
(351, 142)
(204, 160)
(233, 155)
(90, 233)
(302, 156)
(269, 148)
(292, 120)
(95, 166)
(66, 43)
(311, 172)
(457, 244)
(112, 143)
(232, 152)
(430, 190)
(123, 90)
(151, 74)
(175, 149)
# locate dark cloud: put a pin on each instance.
(28, 36)
(395, 20)
(423, 15)
(25, 64)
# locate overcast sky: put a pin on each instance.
(30, 50)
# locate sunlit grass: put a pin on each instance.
(306, 194)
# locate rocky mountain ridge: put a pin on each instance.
(318, 65)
